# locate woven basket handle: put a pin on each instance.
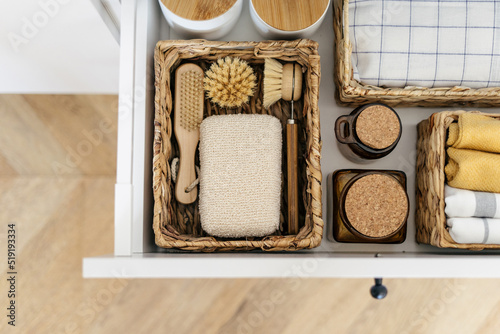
(344, 130)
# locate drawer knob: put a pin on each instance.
(378, 291)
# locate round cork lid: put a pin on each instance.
(290, 15)
(198, 10)
(376, 205)
(378, 127)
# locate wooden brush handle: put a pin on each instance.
(292, 176)
(188, 114)
(186, 174)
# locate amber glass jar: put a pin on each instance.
(370, 206)
(370, 132)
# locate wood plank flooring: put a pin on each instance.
(57, 173)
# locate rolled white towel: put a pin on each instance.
(467, 203)
(474, 230)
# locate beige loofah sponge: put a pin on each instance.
(240, 175)
(230, 82)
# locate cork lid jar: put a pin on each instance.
(374, 206)
(209, 19)
(378, 127)
(288, 18)
(369, 132)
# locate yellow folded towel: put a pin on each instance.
(473, 170)
(475, 132)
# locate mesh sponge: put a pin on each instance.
(240, 175)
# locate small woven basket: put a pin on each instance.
(178, 226)
(353, 93)
(431, 159)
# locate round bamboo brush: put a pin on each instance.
(285, 82)
(230, 82)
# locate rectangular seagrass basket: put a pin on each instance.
(178, 226)
(431, 159)
(351, 92)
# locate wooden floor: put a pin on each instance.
(57, 167)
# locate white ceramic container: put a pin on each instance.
(207, 29)
(270, 32)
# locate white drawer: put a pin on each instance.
(135, 253)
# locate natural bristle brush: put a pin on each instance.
(285, 82)
(188, 114)
(230, 82)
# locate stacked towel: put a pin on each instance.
(474, 230)
(474, 170)
(466, 203)
(473, 216)
(475, 132)
(473, 163)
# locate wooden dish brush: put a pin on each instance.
(285, 82)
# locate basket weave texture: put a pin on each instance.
(353, 93)
(431, 159)
(178, 226)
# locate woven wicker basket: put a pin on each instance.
(178, 226)
(431, 159)
(353, 93)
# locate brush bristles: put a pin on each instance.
(191, 88)
(273, 74)
(230, 82)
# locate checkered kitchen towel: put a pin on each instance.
(427, 43)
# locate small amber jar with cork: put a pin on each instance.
(369, 206)
(369, 132)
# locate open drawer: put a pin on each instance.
(136, 255)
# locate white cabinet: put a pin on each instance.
(135, 253)
(56, 47)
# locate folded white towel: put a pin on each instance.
(428, 43)
(240, 175)
(474, 230)
(467, 203)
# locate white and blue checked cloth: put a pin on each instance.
(426, 43)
